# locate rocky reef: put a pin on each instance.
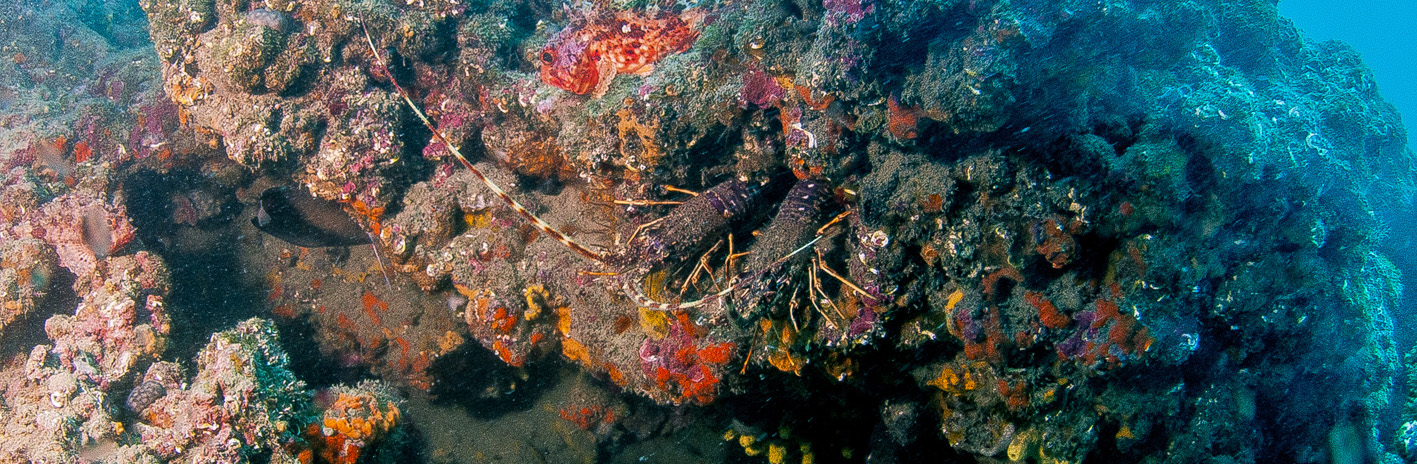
(842, 230)
(63, 397)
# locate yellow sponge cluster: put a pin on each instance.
(361, 417)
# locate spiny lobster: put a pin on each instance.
(679, 233)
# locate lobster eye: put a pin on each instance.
(547, 57)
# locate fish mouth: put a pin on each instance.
(565, 82)
(581, 89)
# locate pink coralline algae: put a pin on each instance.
(120, 321)
(154, 127)
(84, 230)
(27, 268)
(847, 11)
(458, 121)
(241, 401)
(359, 146)
(760, 89)
(683, 366)
(60, 401)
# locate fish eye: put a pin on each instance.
(547, 57)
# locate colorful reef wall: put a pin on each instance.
(837, 230)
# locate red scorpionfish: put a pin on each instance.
(588, 54)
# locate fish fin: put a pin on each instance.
(694, 17)
(607, 75)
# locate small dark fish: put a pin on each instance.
(295, 216)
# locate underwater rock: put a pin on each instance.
(144, 395)
(247, 51)
(84, 230)
(27, 268)
(241, 401)
(1043, 218)
(62, 391)
(270, 19)
(363, 420)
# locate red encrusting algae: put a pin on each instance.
(1047, 313)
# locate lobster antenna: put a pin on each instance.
(649, 303)
(541, 225)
